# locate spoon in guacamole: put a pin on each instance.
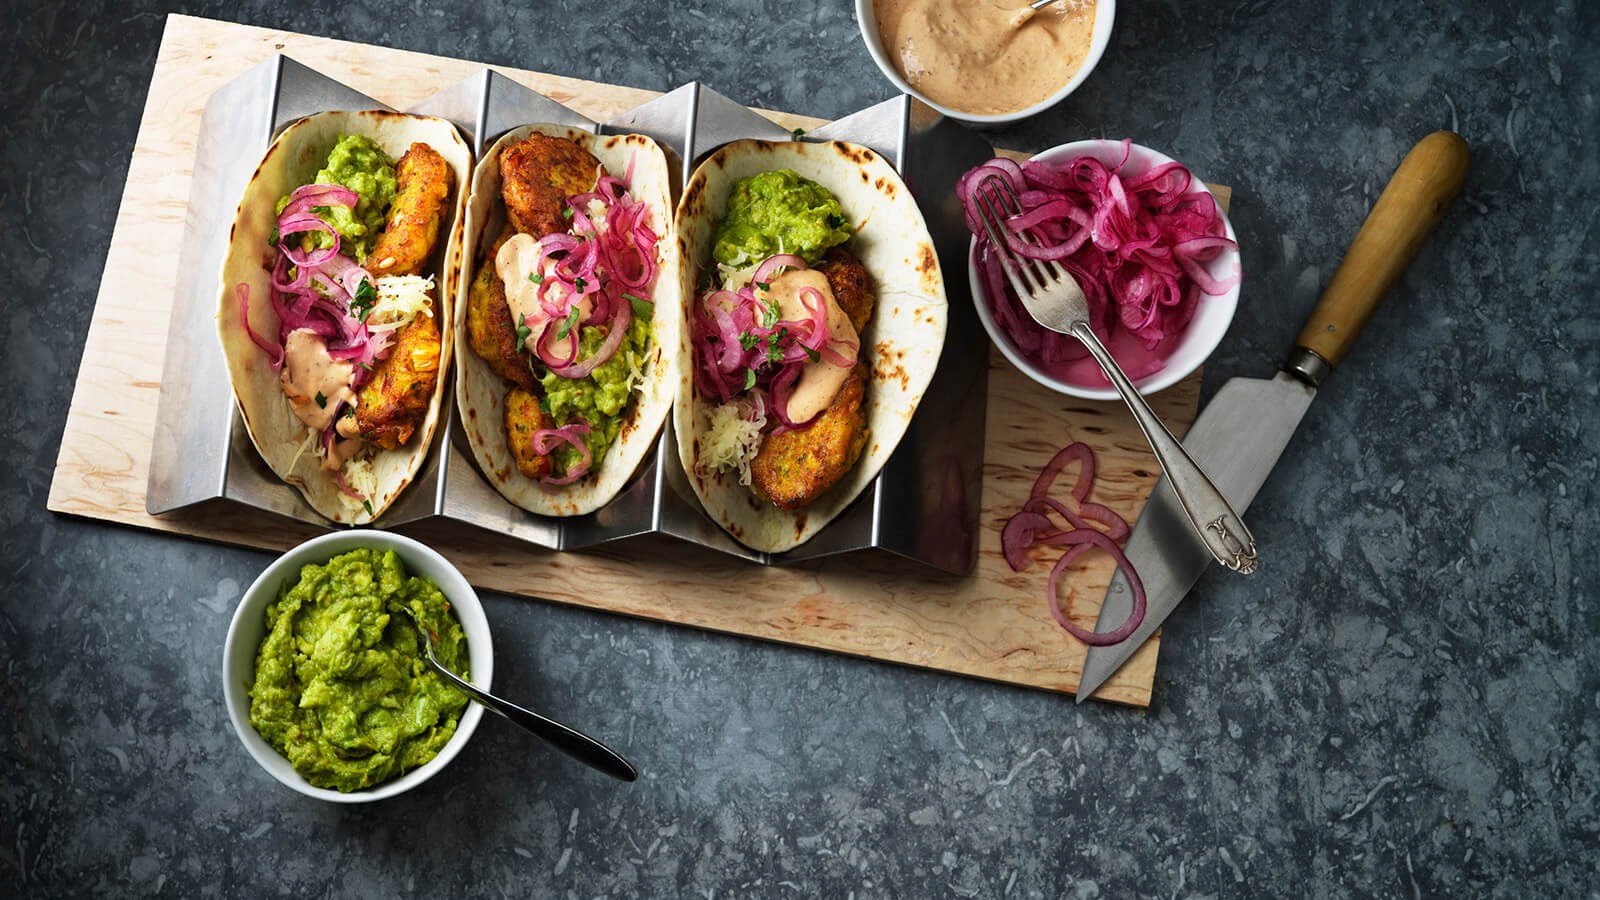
(574, 743)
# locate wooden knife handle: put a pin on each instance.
(1411, 205)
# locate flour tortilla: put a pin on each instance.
(901, 343)
(480, 393)
(291, 161)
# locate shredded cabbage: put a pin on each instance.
(730, 436)
(400, 299)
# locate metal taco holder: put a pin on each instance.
(924, 504)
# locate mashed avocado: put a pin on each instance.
(779, 212)
(359, 164)
(599, 398)
(341, 687)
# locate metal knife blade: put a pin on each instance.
(1237, 439)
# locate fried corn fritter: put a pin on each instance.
(848, 279)
(391, 406)
(524, 418)
(794, 468)
(490, 332)
(423, 180)
(537, 175)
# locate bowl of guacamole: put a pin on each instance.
(323, 672)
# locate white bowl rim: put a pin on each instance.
(416, 555)
(1226, 305)
(1099, 39)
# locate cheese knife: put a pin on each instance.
(1239, 436)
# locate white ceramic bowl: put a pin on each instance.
(1105, 14)
(249, 627)
(1212, 315)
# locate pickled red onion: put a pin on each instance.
(1138, 246)
(546, 440)
(1031, 526)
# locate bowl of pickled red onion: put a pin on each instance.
(1147, 241)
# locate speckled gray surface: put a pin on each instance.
(1405, 702)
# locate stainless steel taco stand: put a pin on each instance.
(924, 505)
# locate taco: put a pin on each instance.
(572, 316)
(816, 317)
(336, 302)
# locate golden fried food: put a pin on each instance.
(524, 418)
(848, 279)
(537, 175)
(392, 405)
(795, 468)
(490, 332)
(423, 181)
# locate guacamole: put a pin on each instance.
(359, 164)
(600, 397)
(779, 212)
(341, 687)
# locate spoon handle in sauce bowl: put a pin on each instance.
(574, 743)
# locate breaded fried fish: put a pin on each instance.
(796, 467)
(848, 280)
(538, 174)
(490, 332)
(524, 419)
(393, 404)
(423, 181)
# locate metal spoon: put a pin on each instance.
(574, 743)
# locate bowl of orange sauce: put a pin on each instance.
(986, 62)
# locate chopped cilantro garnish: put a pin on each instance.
(536, 278)
(811, 354)
(322, 402)
(272, 240)
(566, 213)
(522, 330)
(765, 286)
(367, 505)
(747, 340)
(366, 297)
(580, 284)
(749, 379)
(774, 353)
(642, 308)
(569, 323)
(798, 133)
(769, 314)
(836, 221)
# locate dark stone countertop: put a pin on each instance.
(1405, 702)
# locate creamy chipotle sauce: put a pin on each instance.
(986, 57)
(315, 383)
(518, 261)
(820, 380)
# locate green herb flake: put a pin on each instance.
(366, 298)
(836, 221)
(322, 402)
(272, 240)
(811, 354)
(569, 323)
(367, 505)
(536, 277)
(580, 284)
(749, 379)
(642, 308)
(566, 213)
(769, 314)
(522, 331)
(798, 133)
(748, 340)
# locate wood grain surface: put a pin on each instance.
(993, 624)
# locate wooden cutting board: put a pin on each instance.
(993, 624)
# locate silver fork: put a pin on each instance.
(1055, 300)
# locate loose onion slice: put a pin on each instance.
(1031, 526)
